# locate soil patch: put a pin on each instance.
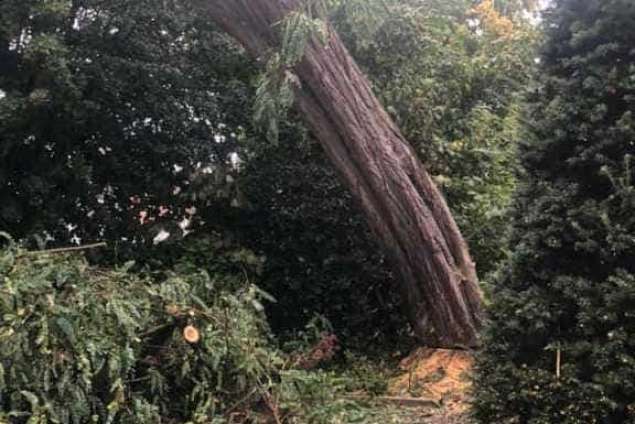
(440, 375)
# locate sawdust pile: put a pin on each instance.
(437, 374)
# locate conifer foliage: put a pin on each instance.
(561, 345)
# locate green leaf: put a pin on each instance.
(67, 328)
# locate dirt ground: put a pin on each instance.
(435, 387)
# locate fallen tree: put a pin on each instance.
(400, 202)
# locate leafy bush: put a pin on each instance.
(82, 344)
(569, 289)
(184, 343)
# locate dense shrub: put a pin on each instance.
(570, 285)
(320, 256)
(184, 341)
(83, 344)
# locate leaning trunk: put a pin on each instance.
(401, 204)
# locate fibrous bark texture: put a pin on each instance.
(401, 204)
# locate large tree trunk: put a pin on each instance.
(401, 204)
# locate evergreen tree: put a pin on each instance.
(561, 344)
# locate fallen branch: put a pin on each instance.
(64, 249)
(402, 401)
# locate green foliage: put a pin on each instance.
(320, 257)
(318, 398)
(450, 75)
(367, 375)
(87, 344)
(300, 26)
(570, 285)
(81, 344)
(517, 7)
(274, 94)
(105, 102)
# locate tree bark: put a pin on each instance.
(401, 204)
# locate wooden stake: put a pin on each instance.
(558, 363)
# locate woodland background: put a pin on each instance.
(142, 125)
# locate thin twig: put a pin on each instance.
(273, 407)
(155, 330)
(64, 249)
(243, 400)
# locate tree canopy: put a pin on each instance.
(111, 109)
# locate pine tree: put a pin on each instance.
(561, 342)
